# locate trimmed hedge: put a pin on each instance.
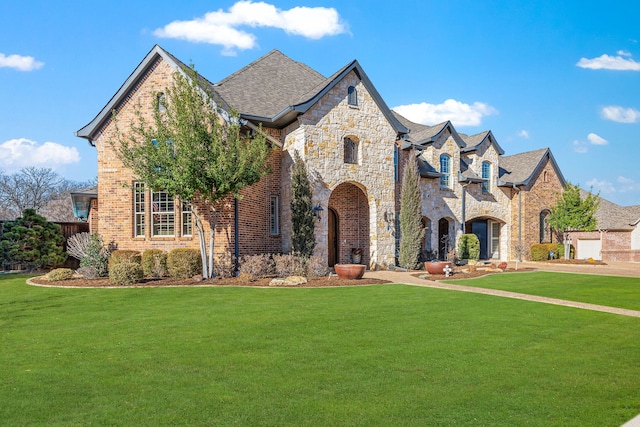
(543, 251)
(154, 263)
(184, 263)
(124, 255)
(59, 274)
(125, 273)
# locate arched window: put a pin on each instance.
(350, 150)
(545, 176)
(445, 170)
(545, 228)
(352, 96)
(486, 174)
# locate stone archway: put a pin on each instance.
(351, 207)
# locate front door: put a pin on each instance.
(479, 228)
(332, 240)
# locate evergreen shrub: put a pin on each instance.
(183, 263)
(154, 263)
(469, 247)
(60, 274)
(125, 273)
(124, 255)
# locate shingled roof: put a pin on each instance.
(421, 135)
(519, 169)
(610, 216)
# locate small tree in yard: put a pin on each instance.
(194, 152)
(411, 231)
(303, 237)
(33, 241)
(574, 213)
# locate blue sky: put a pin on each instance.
(558, 74)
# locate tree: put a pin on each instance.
(193, 151)
(574, 213)
(303, 234)
(40, 189)
(33, 241)
(411, 231)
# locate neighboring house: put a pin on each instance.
(355, 149)
(617, 237)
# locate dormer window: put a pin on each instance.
(162, 106)
(350, 150)
(352, 96)
(486, 174)
(445, 170)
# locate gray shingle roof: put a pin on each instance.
(614, 217)
(268, 85)
(518, 169)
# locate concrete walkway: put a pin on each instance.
(632, 270)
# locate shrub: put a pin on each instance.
(77, 245)
(539, 252)
(183, 263)
(317, 267)
(121, 256)
(289, 265)
(88, 272)
(257, 266)
(154, 263)
(125, 273)
(560, 251)
(469, 247)
(96, 256)
(224, 265)
(60, 274)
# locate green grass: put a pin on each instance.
(360, 356)
(613, 291)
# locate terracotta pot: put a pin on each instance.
(436, 267)
(349, 271)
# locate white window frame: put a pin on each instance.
(445, 170)
(163, 214)
(486, 174)
(274, 215)
(139, 198)
(186, 218)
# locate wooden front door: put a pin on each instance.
(332, 238)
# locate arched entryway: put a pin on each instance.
(349, 212)
(444, 239)
(488, 231)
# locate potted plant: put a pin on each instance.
(432, 265)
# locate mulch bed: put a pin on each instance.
(321, 282)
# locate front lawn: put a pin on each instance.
(363, 356)
(613, 291)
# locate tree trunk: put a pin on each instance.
(213, 221)
(203, 247)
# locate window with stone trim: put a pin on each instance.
(352, 96)
(138, 209)
(162, 214)
(486, 174)
(350, 150)
(445, 170)
(545, 228)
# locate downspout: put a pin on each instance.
(236, 242)
(464, 207)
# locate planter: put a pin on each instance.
(349, 271)
(436, 267)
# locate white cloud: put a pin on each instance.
(601, 186)
(523, 134)
(620, 114)
(606, 62)
(16, 154)
(627, 184)
(621, 185)
(623, 53)
(459, 113)
(19, 62)
(221, 27)
(597, 139)
(580, 147)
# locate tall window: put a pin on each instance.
(274, 213)
(162, 106)
(352, 96)
(163, 214)
(350, 151)
(486, 174)
(545, 228)
(138, 209)
(396, 159)
(187, 216)
(445, 170)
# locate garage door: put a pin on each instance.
(589, 249)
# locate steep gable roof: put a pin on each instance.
(421, 135)
(519, 169)
(88, 131)
(475, 141)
